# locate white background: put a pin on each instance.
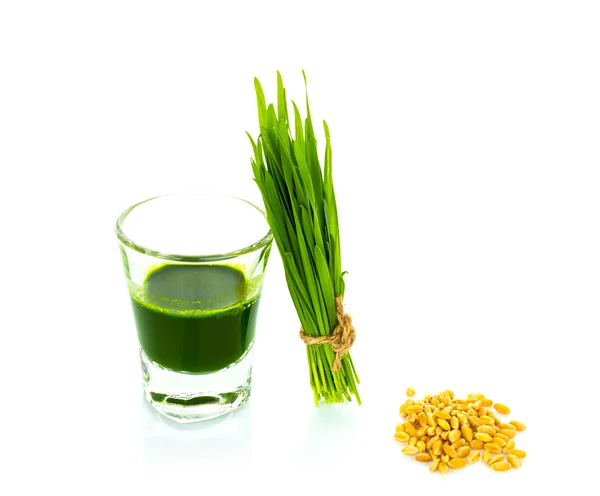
(466, 153)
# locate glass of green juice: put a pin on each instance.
(194, 265)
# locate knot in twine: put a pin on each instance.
(341, 338)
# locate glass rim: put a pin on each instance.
(123, 238)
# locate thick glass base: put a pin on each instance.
(187, 398)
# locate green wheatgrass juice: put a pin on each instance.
(195, 318)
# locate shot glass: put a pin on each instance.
(194, 265)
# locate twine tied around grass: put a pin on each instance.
(341, 338)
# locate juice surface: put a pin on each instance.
(195, 318)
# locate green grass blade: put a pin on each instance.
(282, 111)
(261, 104)
(299, 133)
(326, 286)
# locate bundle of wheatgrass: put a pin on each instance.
(302, 213)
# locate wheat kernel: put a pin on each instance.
(502, 436)
(496, 419)
(454, 435)
(518, 453)
(501, 466)
(504, 425)
(493, 448)
(486, 429)
(423, 457)
(510, 445)
(411, 431)
(520, 426)
(431, 420)
(473, 457)
(467, 432)
(443, 424)
(431, 441)
(450, 451)
(486, 419)
(402, 437)
(509, 433)
(482, 436)
(410, 450)
(476, 444)
(514, 461)
(463, 451)
(457, 463)
(475, 421)
(499, 441)
(459, 443)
